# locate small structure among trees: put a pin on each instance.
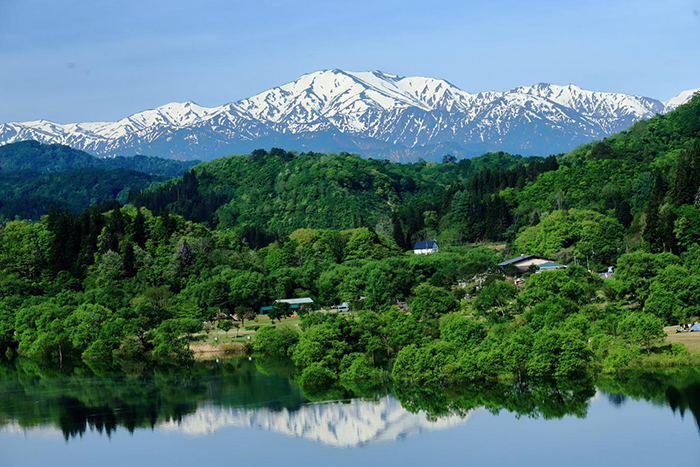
(295, 303)
(425, 248)
(523, 264)
(288, 304)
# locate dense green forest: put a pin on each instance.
(42, 158)
(271, 194)
(237, 233)
(34, 177)
(29, 195)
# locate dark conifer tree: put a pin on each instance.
(128, 258)
(65, 241)
(653, 227)
(398, 234)
(186, 254)
(139, 229)
(623, 213)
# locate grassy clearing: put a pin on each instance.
(690, 339)
(233, 342)
(242, 335)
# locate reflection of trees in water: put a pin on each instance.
(615, 398)
(546, 400)
(678, 388)
(103, 399)
(687, 398)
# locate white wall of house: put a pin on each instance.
(426, 251)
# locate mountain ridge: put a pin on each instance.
(43, 158)
(374, 113)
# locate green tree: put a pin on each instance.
(225, 325)
(588, 234)
(431, 303)
(462, 331)
(637, 271)
(674, 295)
(279, 310)
(495, 300)
(558, 354)
(642, 329)
(365, 244)
(276, 341)
(432, 364)
(42, 331)
(110, 268)
(172, 338)
(244, 313)
(84, 324)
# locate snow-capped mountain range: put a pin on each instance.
(373, 113)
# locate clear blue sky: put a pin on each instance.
(101, 60)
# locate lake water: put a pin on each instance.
(242, 412)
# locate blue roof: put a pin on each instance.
(516, 260)
(425, 245)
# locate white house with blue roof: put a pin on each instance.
(425, 248)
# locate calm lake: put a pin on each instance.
(250, 412)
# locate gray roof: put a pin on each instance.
(295, 301)
(517, 260)
(550, 265)
(425, 245)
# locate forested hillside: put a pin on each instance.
(278, 192)
(29, 195)
(34, 177)
(637, 187)
(646, 178)
(41, 158)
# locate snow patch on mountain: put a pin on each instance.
(680, 99)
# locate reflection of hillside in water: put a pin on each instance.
(341, 424)
(204, 398)
(14, 428)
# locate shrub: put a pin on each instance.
(98, 350)
(430, 364)
(276, 341)
(462, 331)
(432, 302)
(356, 367)
(131, 347)
(317, 376)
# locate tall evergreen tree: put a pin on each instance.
(397, 231)
(653, 227)
(139, 229)
(127, 252)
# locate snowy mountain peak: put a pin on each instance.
(321, 93)
(680, 98)
(375, 113)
